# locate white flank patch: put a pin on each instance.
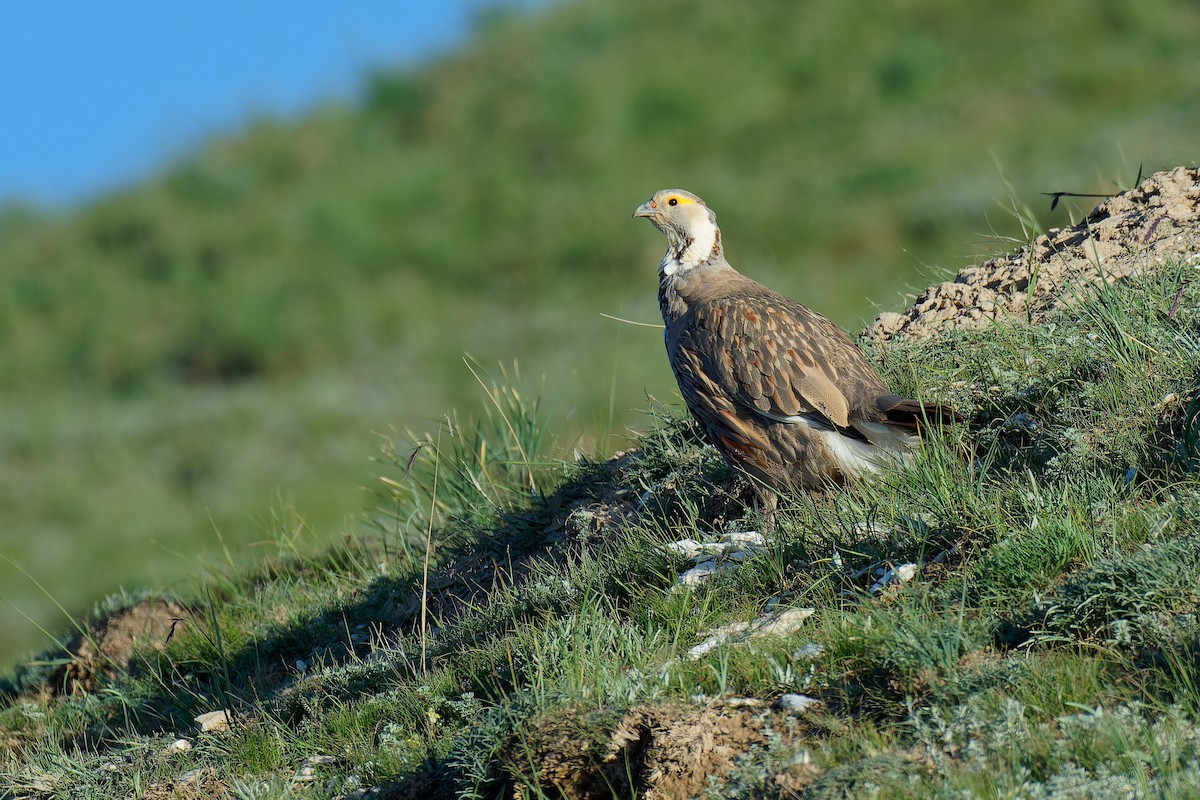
(854, 456)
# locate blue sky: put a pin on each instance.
(94, 94)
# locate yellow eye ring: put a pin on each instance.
(674, 201)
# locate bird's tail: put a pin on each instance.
(914, 414)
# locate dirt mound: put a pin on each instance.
(109, 645)
(660, 751)
(1130, 233)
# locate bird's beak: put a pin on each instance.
(645, 210)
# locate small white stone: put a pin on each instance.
(179, 745)
(320, 761)
(808, 652)
(744, 702)
(779, 623)
(688, 548)
(701, 573)
(901, 574)
(717, 638)
(797, 703)
(743, 538)
(775, 623)
(191, 776)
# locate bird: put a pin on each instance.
(782, 393)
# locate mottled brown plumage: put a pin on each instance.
(781, 391)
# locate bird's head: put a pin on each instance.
(689, 225)
(676, 212)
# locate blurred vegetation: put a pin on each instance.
(174, 355)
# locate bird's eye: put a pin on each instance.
(673, 201)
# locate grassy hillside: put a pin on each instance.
(178, 355)
(519, 628)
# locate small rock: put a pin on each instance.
(688, 548)
(901, 574)
(778, 623)
(808, 652)
(305, 774)
(320, 761)
(739, 546)
(717, 638)
(744, 702)
(192, 775)
(701, 573)
(744, 539)
(42, 784)
(775, 623)
(179, 745)
(307, 771)
(215, 721)
(716, 557)
(797, 703)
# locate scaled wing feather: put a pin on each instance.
(766, 354)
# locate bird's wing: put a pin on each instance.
(721, 415)
(774, 356)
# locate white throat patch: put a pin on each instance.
(697, 252)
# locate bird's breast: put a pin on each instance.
(671, 302)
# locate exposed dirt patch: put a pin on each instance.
(1134, 232)
(661, 751)
(201, 784)
(111, 643)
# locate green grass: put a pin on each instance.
(1047, 646)
(177, 354)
